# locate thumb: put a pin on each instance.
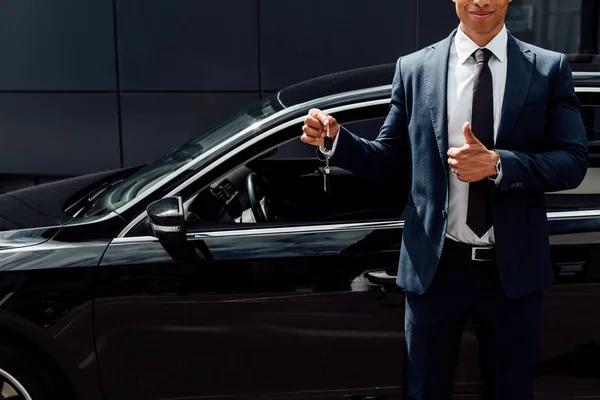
(469, 135)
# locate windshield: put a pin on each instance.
(145, 178)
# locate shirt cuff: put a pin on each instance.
(333, 147)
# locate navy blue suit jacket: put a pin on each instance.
(541, 142)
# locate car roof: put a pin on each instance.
(340, 82)
(382, 75)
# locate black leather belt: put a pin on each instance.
(466, 251)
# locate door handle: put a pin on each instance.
(380, 277)
(387, 282)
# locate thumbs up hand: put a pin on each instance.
(473, 161)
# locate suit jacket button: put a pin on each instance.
(444, 214)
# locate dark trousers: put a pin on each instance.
(508, 331)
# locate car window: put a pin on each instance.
(138, 183)
(220, 198)
(286, 186)
(561, 25)
(587, 195)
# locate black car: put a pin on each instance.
(223, 270)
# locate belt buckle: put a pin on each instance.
(474, 253)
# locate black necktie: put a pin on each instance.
(479, 214)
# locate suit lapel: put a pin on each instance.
(518, 80)
(435, 73)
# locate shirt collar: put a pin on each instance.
(465, 47)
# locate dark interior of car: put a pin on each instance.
(285, 184)
(292, 191)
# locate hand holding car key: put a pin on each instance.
(327, 145)
(321, 129)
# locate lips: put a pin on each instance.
(481, 14)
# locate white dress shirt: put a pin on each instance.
(461, 77)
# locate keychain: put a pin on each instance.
(328, 145)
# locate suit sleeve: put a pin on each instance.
(379, 159)
(564, 162)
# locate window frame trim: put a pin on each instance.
(320, 228)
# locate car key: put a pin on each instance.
(328, 145)
(327, 183)
(328, 141)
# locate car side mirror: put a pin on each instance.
(167, 220)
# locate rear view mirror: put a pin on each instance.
(167, 220)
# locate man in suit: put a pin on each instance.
(489, 124)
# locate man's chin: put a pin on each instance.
(481, 29)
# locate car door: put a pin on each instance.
(285, 310)
(274, 312)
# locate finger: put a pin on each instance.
(319, 115)
(312, 140)
(333, 126)
(453, 162)
(329, 120)
(469, 135)
(314, 123)
(453, 152)
(312, 132)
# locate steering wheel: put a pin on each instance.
(258, 187)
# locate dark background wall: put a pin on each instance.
(101, 84)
